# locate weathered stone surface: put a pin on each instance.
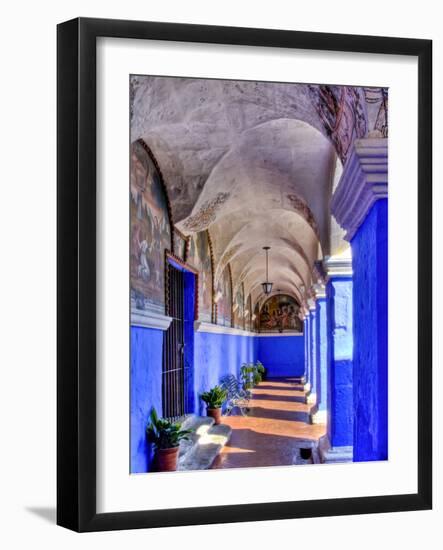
(204, 445)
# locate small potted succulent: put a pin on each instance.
(214, 399)
(165, 437)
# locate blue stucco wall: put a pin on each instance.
(306, 337)
(322, 354)
(340, 354)
(370, 266)
(216, 355)
(313, 351)
(282, 355)
(146, 372)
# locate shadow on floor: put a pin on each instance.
(47, 513)
(264, 450)
(266, 386)
(279, 414)
(273, 397)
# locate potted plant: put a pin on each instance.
(214, 399)
(251, 374)
(165, 437)
(247, 376)
(261, 371)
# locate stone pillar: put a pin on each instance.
(360, 207)
(319, 416)
(307, 336)
(311, 396)
(338, 446)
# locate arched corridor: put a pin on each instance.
(259, 236)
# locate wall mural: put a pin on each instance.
(256, 318)
(280, 313)
(238, 308)
(342, 112)
(179, 245)
(199, 256)
(224, 299)
(248, 314)
(150, 232)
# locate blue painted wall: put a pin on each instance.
(340, 353)
(313, 351)
(370, 266)
(146, 375)
(307, 339)
(216, 355)
(282, 355)
(322, 354)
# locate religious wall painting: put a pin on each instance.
(150, 233)
(180, 244)
(223, 298)
(280, 313)
(256, 318)
(248, 314)
(199, 256)
(343, 114)
(238, 308)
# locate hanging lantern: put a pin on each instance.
(267, 286)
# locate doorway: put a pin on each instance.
(177, 375)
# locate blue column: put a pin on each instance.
(312, 395)
(370, 266)
(340, 350)
(307, 336)
(320, 415)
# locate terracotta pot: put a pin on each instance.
(167, 459)
(215, 414)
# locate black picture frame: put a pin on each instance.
(76, 281)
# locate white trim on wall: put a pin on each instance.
(278, 334)
(149, 319)
(201, 326)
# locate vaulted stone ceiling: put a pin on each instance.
(252, 163)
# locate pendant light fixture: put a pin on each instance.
(267, 286)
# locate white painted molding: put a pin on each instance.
(307, 387)
(330, 454)
(364, 181)
(336, 266)
(311, 304)
(202, 326)
(319, 291)
(311, 398)
(149, 319)
(278, 334)
(319, 417)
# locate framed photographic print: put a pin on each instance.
(244, 274)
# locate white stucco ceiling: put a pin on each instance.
(249, 162)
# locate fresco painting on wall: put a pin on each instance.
(179, 245)
(256, 318)
(150, 232)
(280, 313)
(199, 256)
(223, 294)
(248, 314)
(238, 308)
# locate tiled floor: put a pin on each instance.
(277, 425)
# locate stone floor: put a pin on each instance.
(276, 428)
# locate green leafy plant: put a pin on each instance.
(251, 374)
(215, 397)
(247, 375)
(260, 370)
(163, 433)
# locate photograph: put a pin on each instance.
(258, 267)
